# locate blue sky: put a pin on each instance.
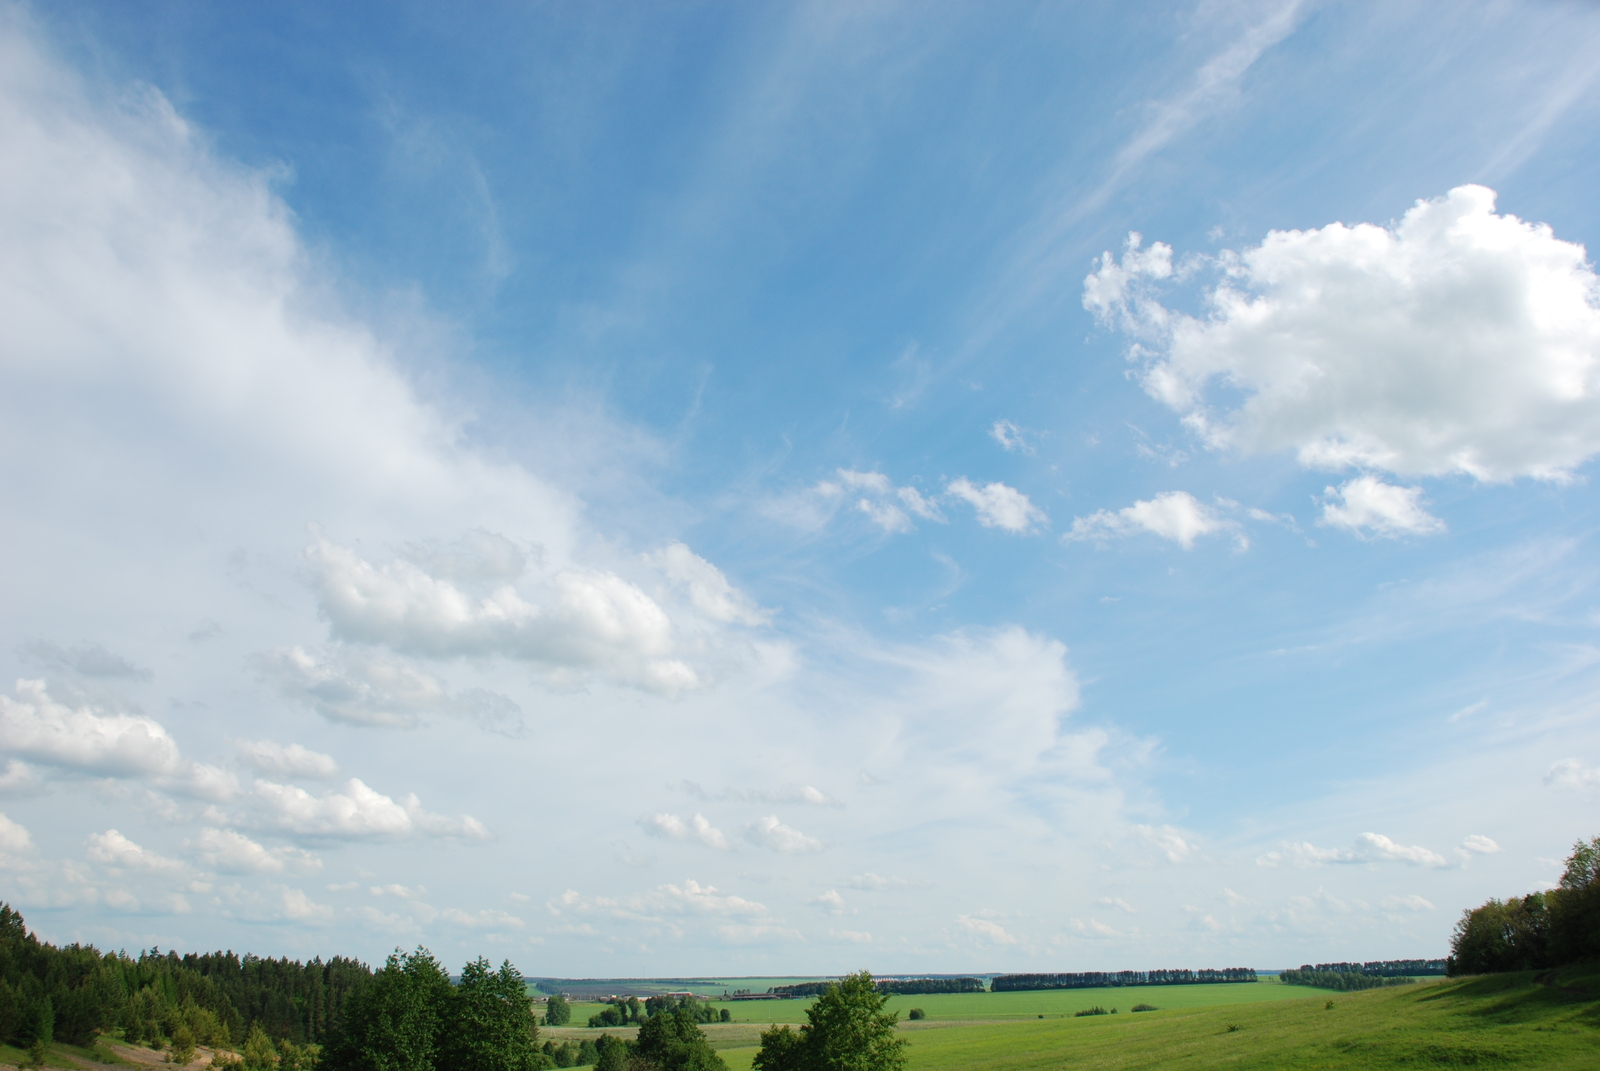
(718, 488)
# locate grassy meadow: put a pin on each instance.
(1550, 1022)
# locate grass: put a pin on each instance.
(66, 1056)
(1548, 1022)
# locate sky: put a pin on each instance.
(747, 489)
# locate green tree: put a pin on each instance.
(611, 1053)
(491, 1025)
(1575, 906)
(782, 1049)
(259, 1053)
(182, 1045)
(1510, 935)
(393, 1024)
(671, 1040)
(846, 1030)
(557, 1012)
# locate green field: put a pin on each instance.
(1509, 1021)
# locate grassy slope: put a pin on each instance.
(1505, 1021)
(1055, 1003)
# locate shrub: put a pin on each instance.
(1145, 1007)
(1096, 1010)
(557, 1012)
(725, 1016)
(916, 1013)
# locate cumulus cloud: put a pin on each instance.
(356, 811)
(874, 495)
(1573, 774)
(13, 837)
(1478, 844)
(84, 739)
(771, 833)
(708, 589)
(997, 505)
(1369, 848)
(587, 621)
(292, 760)
(232, 852)
(831, 902)
(18, 779)
(363, 687)
(1367, 504)
(1457, 341)
(300, 907)
(1169, 840)
(115, 850)
(697, 828)
(1174, 515)
(985, 928)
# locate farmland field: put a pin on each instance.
(1510, 1021)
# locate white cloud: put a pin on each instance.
(785, 794)
(674, 828)
(13, 837)
(1117, 902)
(1009, 436)
(1458, 341)
(709, 590)
(297, 905)
(364, 687)
(588, 621)
(1573, 774)
(771, 833)
(36, 727)
(1369, 848)
(859, 937)
(292, 760)
(1411, 902)
(1169, 840)
(997, 505)
(1478, 844)
(18, 779)
(234, 853)
(355, 811)
(991, 931)
(706, 900)
(831, 902)
(486, 919)
(113, 849)
(1174, 515)
(1366, 502)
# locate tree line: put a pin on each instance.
(620, 1011)
(75, 992)
(1010, 983)
(1341, 981)
(1386, 968)
(900, 986)
(1539, 930)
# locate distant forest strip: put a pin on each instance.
(1387, 968)
(1343, 981)
(73, 992)
(902, 987)
(1010, 983)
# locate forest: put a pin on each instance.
(1010, 983)
(898, 986)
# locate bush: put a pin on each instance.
(916, 1013)
(1096, 1010)
(1145, 1007)
(725, 1015)
(557, 1012)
